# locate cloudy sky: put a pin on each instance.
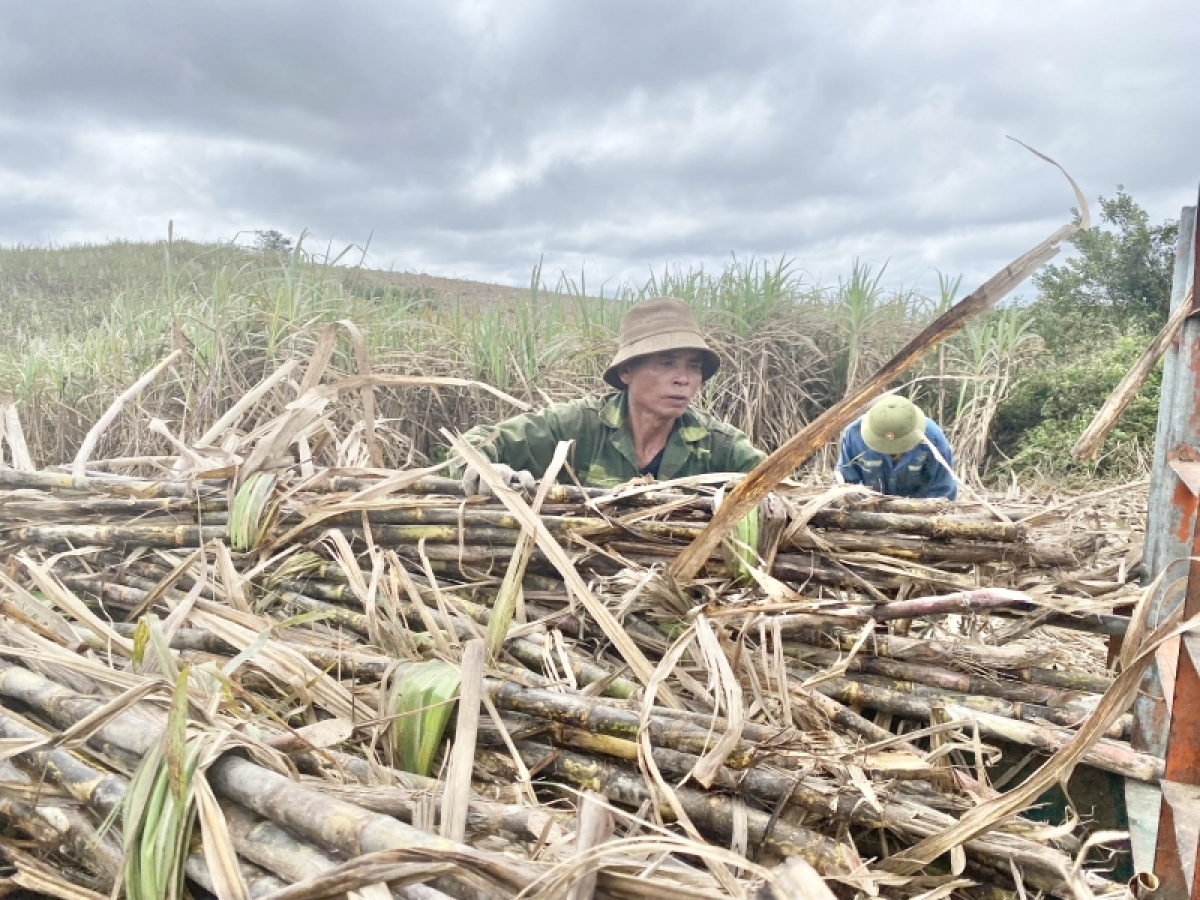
(472, 138)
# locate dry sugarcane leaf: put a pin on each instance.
(280, 661)
(110, 415)
(722, 683)
(47, 619)
(795, 879)
(505, 606)
(232, 583)
(1085, 215)
(362, 361)
(183, 609)
(94, 721)
(218, 845)
(307, 408)
(557, 881)
(235, 412)
(398, 868)
(166, 583)
(318, 736)
(14, 435)
(393, 483)
(61, 597)
(827, 426)
(188, 459)
(612, 629)
(42, 879)
(457, 795)
(1115, 701)
(651, 771)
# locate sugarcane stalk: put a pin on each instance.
(1067, 679)
(56, 509)
(123, 595)
(347, 663)
(397, 799)
(276, 850)
(1106, 754)
(558, 493)
(953, 653)
(712, 813)
(1111, 756)
(903, 506)
(333, 613)
(912, 700)
(935, 526)
(919, 549)
(104, 792)
(340, 825)
(63, 827)
(937, 676)
(588, 714)
(471, 562)
(182, 639)
(940, 527)
(984, 600)
(302, 810)
(1090, 622)
(116, 485)
(524, 651)
(167, 536)
(931, 525)
(260, 884)
(906, 818)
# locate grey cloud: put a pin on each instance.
(472, 138)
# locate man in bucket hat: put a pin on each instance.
(894, 449)
(645, 427)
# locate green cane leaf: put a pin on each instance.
(421, 697)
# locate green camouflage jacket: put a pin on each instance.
(603, 452)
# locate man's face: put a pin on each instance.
(664, 383)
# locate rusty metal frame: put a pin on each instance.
(1165, 821)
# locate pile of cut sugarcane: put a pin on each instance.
(241, 682)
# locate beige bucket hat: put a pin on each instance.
(655, 325)
(893, 425)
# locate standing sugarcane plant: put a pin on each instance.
(987, 359)
(860, 310)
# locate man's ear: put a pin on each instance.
(624, 373)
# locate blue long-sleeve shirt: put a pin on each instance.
(916, 473)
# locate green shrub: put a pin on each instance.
(1048, 411)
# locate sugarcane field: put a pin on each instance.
(527, 450)
(286, 616)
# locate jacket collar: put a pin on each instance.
(689, 430)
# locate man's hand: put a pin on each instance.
(520, 480)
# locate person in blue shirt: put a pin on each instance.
(891, 450)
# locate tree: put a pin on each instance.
(1095, 313)
(272, 241)
(1120, 282)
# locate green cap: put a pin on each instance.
(893, 425)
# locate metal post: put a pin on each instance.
(1166, 835)
(1179, 816)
